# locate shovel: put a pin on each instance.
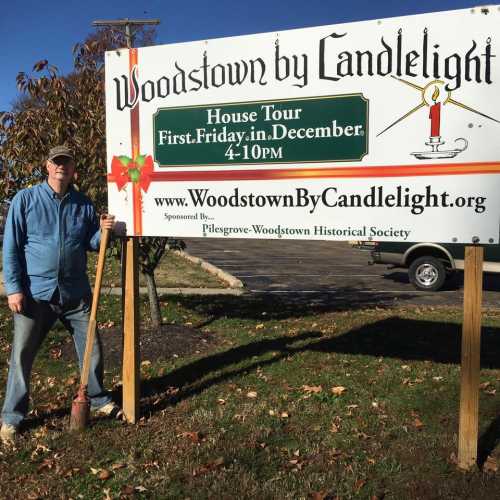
(80, 409)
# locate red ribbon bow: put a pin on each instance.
(125, 170)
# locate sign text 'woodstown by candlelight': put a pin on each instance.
(382, 129)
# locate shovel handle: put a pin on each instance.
(91, 329)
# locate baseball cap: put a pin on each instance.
(60, 151)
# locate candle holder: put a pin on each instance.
(435, 153)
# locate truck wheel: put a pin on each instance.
(427, 273)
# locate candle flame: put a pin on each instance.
(435, 94)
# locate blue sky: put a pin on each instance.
(32, 30)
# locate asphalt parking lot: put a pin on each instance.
(332, 270)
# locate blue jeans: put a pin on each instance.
(30, 329)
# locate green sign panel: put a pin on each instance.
(319, 129)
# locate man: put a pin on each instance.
(48, 231)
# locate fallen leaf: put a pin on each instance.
(359, 484)
(140, 488)
(195, 437)
(71, 381)
(338, 390)
(284, 414)
(312, 389)
(118, 465)
(259, 326)
(127, 490)
(55, 353)
(334, 428)
(251, 394)
(221, 401)
(104, 474)
(218, 462)
(418, 424)
(490, 465)
(319, 495)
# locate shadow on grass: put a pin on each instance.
(290, 305)
(397, 338)
(488, 441)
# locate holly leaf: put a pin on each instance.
(140, 160)
(124, 160)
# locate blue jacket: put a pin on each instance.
(46, 241)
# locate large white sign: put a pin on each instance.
(384, 130)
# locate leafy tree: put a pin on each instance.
(55, 109)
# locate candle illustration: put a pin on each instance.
(435, 114)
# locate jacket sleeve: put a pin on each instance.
(94, 233)
(13, 247)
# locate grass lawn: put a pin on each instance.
(248, 397)
(172, 271)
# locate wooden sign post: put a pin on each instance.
(471, 348)
(131, 353)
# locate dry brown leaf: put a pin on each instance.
(334, 428)
(104, 474)
(319, 495)
(338, 390)
(55, 353)
(418, 424)
(259, 326)
(118, 465)
(128, 490)
(251, 394)
(218, 462)
(71, 381)
(195, 436)
(315, 389)
(359, 484)
(490, 465)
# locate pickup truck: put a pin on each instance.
(429, 265)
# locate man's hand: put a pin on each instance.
(107, 222)
(16, 302)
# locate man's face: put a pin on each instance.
(61, 169)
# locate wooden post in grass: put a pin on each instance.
(471, 345)
(131, 354)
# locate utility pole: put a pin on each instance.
(126, 25)
(130, 265)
